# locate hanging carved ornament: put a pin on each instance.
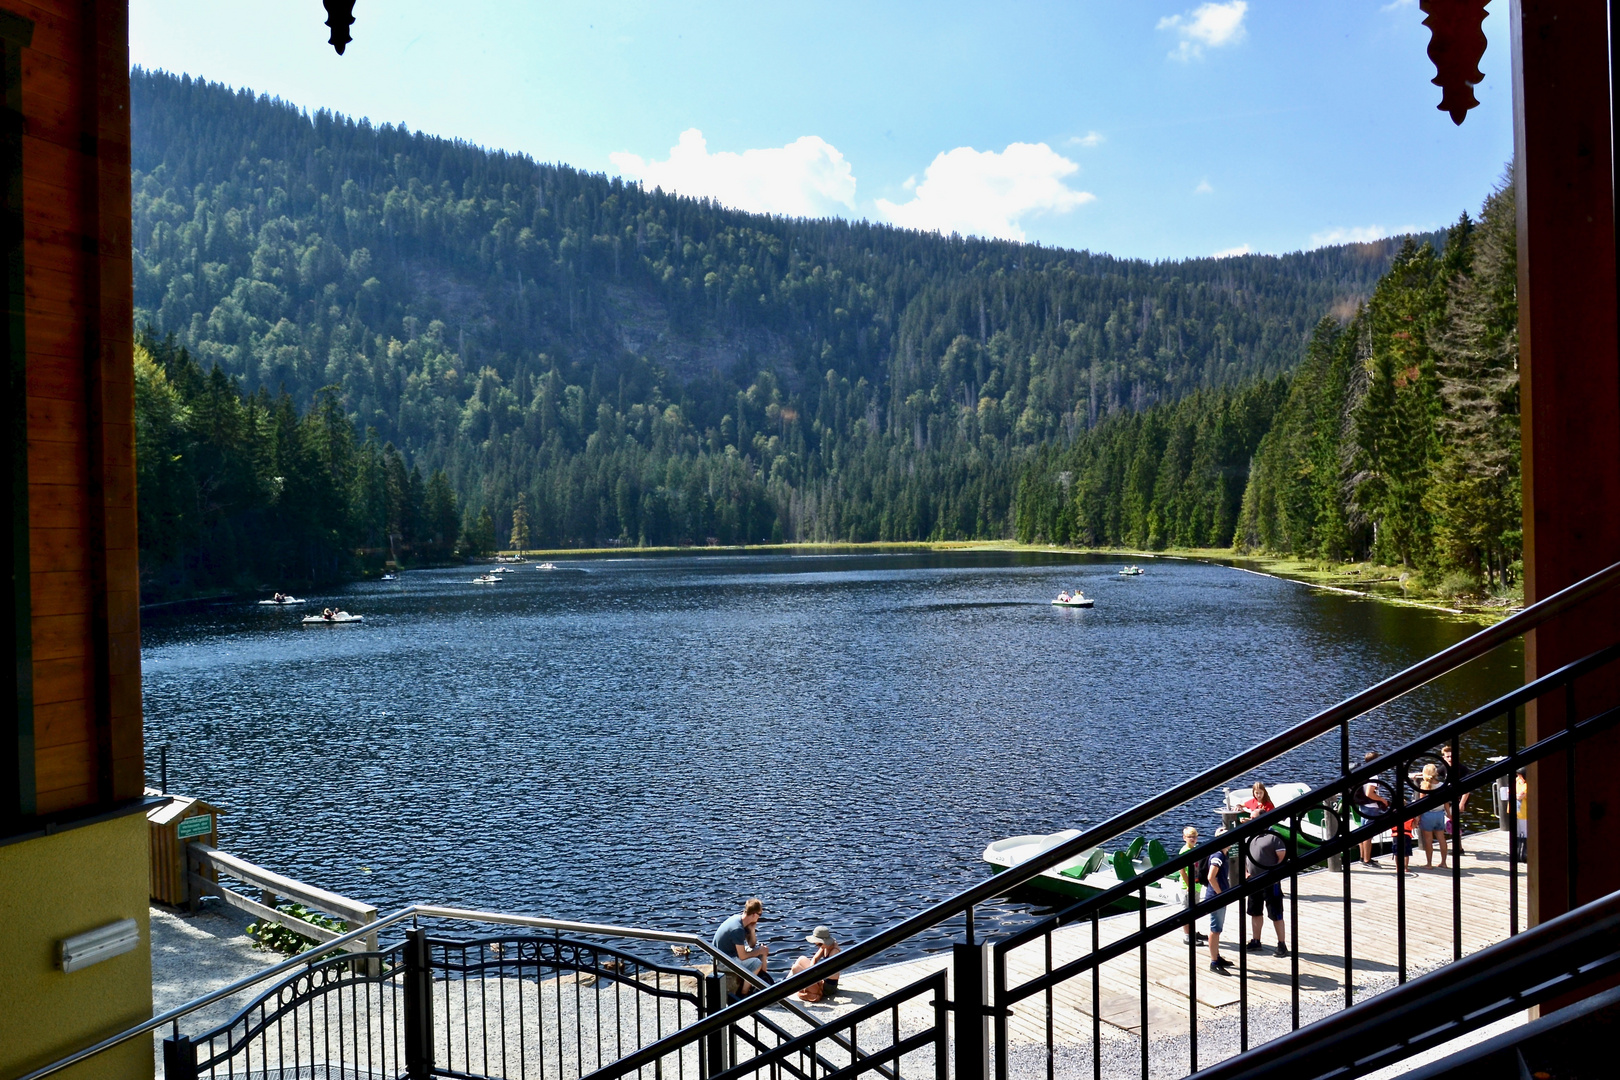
(1456, 44)
(339, 16)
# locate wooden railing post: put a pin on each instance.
(369, 942)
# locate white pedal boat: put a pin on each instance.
(486, 579)
(546, 566)
(339, 618)
(1091, 872)
(1077, 600)
(285, 601)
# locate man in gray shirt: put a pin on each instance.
(736, 940)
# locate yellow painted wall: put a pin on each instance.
(54, 887)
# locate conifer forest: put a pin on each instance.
(361, 343)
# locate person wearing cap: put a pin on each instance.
(736, 939)
(826, 945)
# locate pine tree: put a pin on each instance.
(520, 524)
(1475, 497)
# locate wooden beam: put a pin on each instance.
(1569, 370)
(17, 751)
(351, 911)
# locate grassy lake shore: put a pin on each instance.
(1391, 584)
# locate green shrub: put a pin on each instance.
(1457, 584)
(277, 938)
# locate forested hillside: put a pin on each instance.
(235, 489)
(1397, 439)
(644, 368)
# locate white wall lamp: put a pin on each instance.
(94, 946)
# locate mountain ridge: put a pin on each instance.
(491, 315)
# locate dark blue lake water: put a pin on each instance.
(656, 739)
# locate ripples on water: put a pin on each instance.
(653, 740)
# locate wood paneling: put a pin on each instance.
(79, 308)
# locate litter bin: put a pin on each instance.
(172, 826)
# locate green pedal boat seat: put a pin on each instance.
(1124, 868)
(1157, 854)
(1087, 868)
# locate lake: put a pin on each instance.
(654, 740)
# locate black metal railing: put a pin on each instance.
(987, 993)
(338, 1009)
(1008, 993)
(1563, 955)
(521, 1006)
(515, 1006)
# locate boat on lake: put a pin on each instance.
(389, 577)
(546, 566)
(1074, 599)
(1095, 871)
(1131, 571)
(285, 601)
(502, 570)
(337, 618)
(1315, 825)
(486, 579)
(1092, 872)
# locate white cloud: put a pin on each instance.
(1241, 249)
(985, 193)
(1204, 187)
(1395, 5)
(806, 178)
(1359, 234)
(1088, 140)
(1207, 25)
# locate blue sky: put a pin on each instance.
(1156, 130)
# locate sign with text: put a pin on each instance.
(196, 825)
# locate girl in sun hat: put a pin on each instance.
(826, 945)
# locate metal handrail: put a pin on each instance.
(1571, 949)
(1298, 863)
(1339, 786)
(425, 911)
(1381, 693)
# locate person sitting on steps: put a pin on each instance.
(737, 940)
(826, 945)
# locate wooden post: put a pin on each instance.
(1569, 370)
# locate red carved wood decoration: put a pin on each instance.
(1456, 44)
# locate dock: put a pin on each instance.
(1270, 980)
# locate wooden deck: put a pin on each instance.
(1373, 905)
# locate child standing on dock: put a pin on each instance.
(1190, 880)
(1219, 879)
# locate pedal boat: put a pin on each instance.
(1091, 872)
(340, 618)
